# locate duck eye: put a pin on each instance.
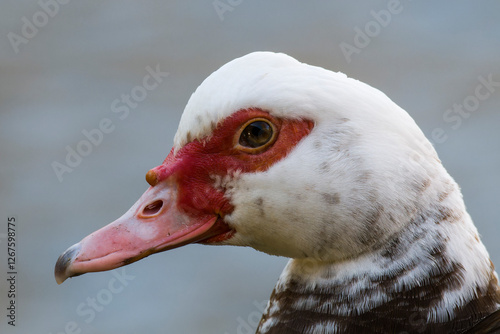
(256, 134)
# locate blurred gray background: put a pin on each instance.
(63, 77)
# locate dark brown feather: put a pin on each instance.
(489, 325)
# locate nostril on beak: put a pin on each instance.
(152, 177)
(153, 208)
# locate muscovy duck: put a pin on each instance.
(298, 161)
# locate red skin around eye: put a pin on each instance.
(195, 165)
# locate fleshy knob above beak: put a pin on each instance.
(152, 177)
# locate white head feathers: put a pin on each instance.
(377, 158)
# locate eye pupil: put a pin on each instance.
(256, 134)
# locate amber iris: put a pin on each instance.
(256, 134)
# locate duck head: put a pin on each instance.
(290, 159)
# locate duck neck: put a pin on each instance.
(434, 275)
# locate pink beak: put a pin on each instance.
(153, 224)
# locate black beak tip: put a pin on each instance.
(63, 265)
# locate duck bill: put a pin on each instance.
(153, 224)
